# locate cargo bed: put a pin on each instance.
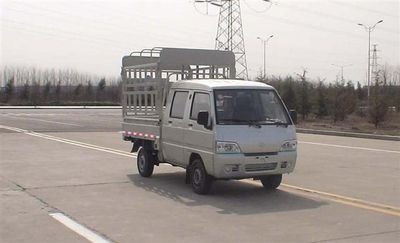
(146, 77)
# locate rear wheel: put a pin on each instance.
(145, 163)
(200, 180)
(271, 181)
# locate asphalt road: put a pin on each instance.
(66, 175)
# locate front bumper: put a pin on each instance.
(239, 166)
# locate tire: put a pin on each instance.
(200, 180)
(145, 164)
(271, 181)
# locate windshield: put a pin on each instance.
(259, 107)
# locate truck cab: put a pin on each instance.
(238, 129)
(215, 129)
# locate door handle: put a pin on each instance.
(190, 125)
(169, 122)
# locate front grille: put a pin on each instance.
(260, 167)
(260, 154)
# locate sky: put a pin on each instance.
(93, 36)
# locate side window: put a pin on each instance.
(178, 104)
(201, 102)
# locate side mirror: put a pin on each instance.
(202, 118)
(293, 115)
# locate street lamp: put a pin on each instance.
(369, 29)
(342, 67)
(265, 41)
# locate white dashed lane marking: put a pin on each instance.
(42, 120)
(80, 229)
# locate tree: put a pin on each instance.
(78, 91)
(350, 98)
(322, 109)
(397, 100)
(101, 85)
(360, 93)
(305, 105)
(89, 91)
(24, 95)
(337, 101)
(288, 94)
(35, 93)
(378, 104)
(9, 90)
(58, 92)
(343, 100)
(100, 89)
(46, 90)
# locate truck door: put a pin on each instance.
(199, 139)
(173, 127)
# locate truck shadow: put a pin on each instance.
(229, 197)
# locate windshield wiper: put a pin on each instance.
(254, 123)
(277, 122)
(251, 123)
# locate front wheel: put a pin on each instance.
(200, 180)
(144, 163)
(271, 181)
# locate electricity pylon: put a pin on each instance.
(230, 34)
(374, 65)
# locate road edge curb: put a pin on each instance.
(59, 107)
(348, 134)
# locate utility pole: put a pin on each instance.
(265, 42)
(341, 68)
(369, 29)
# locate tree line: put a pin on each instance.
(32, 86)
(341, 98)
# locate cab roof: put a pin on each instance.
(211, 84)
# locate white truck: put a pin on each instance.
(184, 107)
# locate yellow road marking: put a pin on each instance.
(372, 206)
(349, 199)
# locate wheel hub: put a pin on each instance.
(142, 162)
(197, 176)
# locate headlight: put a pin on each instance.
(289, 146)
(227, 148)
